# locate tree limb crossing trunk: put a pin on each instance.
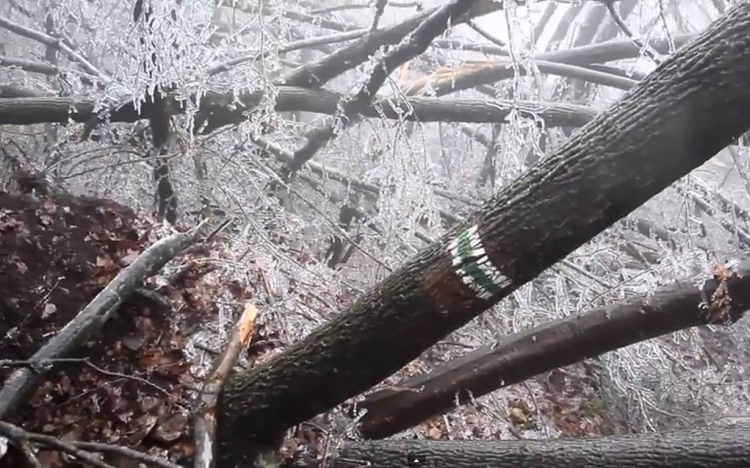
(691, 107)
(559, 343)
(727, 447)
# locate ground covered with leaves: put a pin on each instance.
(129, 384)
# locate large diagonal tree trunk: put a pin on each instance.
(690, 108)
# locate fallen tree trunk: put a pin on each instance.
(555, 344)
(727, 447)
(659, 131)
(27, 110)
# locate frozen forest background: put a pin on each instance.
(385, 185)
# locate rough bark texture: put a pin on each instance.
(705, 448)
(555, 344)
(687, 110)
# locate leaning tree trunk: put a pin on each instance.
(681, 449)
(682, 114)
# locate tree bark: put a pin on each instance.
(555, 344)
(691, 107)
(726, 447)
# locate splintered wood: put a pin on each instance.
(205, 418)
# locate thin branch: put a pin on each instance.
(364, 6)
(318, 21)
(379, 10)
(354, 244)
(302, 44)
(285, 156)
(11, 91)
(609, 51)
(742, 236)
(482, 32)
(28, 65)
(79, 448)
(15, 433)
(124, 451)
(44, 69)
(52, 361)
(651, 53)
(318, 73)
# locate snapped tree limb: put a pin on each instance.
(204, 413)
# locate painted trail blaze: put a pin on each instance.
(473, 266)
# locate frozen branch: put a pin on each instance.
(10, 91)
(302, 44)
(320, 72)
(604, 172)
(620, 22)
(363, 6)
(25, 111)
(451, 81)
(28, 65)
(609, 51)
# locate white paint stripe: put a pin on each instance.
(478, 252)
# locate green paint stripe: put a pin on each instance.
(473, 270)
(479, 279)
